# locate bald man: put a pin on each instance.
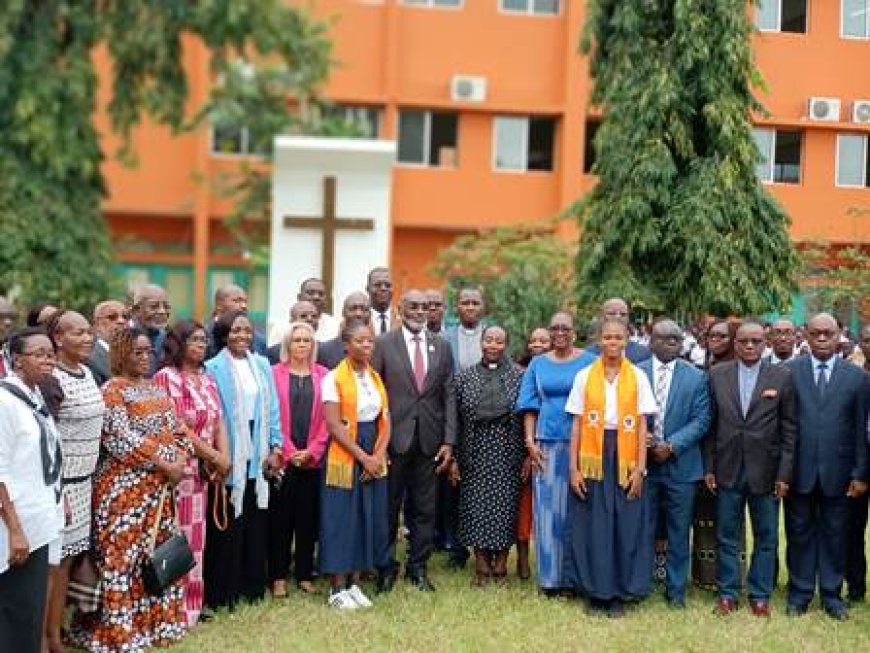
(228, 298)
(617, 309)
(830, 476)
(356, 307)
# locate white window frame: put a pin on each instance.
(430, 4)
(527, 123)
(245, 146)
(530, 11)
(427, 142)
(771, 158)
(866, 139)
(778, 28)
(850, 37)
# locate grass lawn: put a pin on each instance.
(459, 618)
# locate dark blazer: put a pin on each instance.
(634, 351)
(330, 353)
(687, 420)
(411, 410)
(99, 363)
(763, 441)
(832, 430)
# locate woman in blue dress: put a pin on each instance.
(547, 429)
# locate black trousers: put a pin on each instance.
(412, 478)
(234, 560)
(856, 559)
(23, 591)
(293, 518)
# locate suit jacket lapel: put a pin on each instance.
(734, 387)
(402, 345)
(676, 381)
(835, 366)
(759, 383)
(432, 361)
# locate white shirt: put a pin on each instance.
(657, 367)
(646, 401)
(829, 367)
(412, 347)
(368, 399)
(376, 320)
(248, 385)
(40, 514)
(328, 327)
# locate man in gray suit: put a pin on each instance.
(417, 371)
(830, 469)
(108, 316)
(749, 457)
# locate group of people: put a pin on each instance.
(615, 459)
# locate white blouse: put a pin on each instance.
(368, 399)
(40, 514)
(248, 385)
(646, 400)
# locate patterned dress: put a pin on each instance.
(140, 421)
(490, 454)
(79, 423)
(197, 405)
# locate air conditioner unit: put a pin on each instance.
(464, 88)
(824, 109)
(861, 111)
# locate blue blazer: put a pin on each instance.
(832, 430)
(687, 419)
(220, 370)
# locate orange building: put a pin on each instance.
(488, 100)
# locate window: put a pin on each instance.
(550, 7)
(524, 143)
(855, 19)
(780, 156)
(589, 154)
(852, 168)
(428, 138)
(362, 122)
(233, 139)
(433, 3)
(782, 16)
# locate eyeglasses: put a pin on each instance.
(416, 306)
(755, 342)
(40, 354)
(782, 333)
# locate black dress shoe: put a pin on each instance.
(421, 582)
(792, 610)
(386, 582)
(837, 611)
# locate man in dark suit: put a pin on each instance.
(417, 371)
(675, 461)
(831, 468)
(356, 307)
(302, 311)
(749, 456)
(617, 309)
(108, 316)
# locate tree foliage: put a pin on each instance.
(836, 278)
(525, 272)
(679, 219)
(54, 243)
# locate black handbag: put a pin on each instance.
(169, 561)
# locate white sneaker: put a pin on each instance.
(355, 593)
(342, 601)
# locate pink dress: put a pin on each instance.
(197, 404)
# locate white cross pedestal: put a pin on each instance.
(330, 217)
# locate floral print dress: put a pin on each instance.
(139, 422)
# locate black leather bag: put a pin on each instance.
(167, 562)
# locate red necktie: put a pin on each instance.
(419, 363)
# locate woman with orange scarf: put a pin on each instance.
(609, 557)
(354, 524)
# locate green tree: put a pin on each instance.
(525, 272)
(54, 243)
(678, 220)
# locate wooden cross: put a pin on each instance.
(329, 224)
